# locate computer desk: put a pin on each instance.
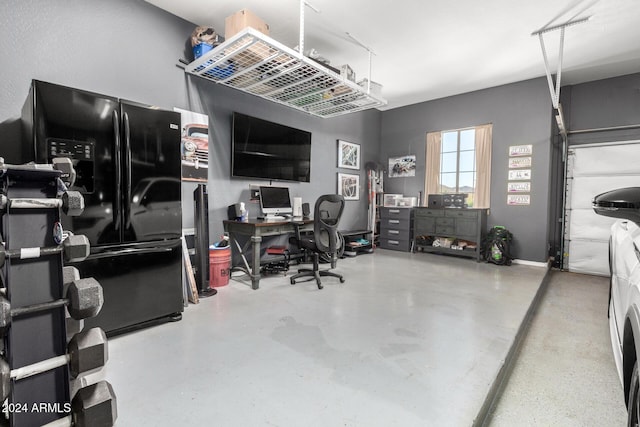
(256, 229)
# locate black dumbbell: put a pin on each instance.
(74, 248)
(71, 203)
(65, 165)
(92, 406)
(69, 274)
(87, 351)
(84, 299)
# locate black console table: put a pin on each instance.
(452, 224)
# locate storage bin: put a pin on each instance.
(200, 49)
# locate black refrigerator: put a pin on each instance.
(127, 161)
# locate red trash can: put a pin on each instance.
(219, 266)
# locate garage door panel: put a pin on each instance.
(592, 170)
(586, 224)
(585, 188)
(607, 160)
(589, 257)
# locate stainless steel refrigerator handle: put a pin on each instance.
(127, 153)
(118, 166)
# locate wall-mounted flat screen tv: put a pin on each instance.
(267, 150)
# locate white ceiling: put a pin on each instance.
(433, 49)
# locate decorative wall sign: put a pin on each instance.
(520, 150)
(348, 155)
(349, 186)
(519, 187)
(520, 175)
(519, 162)
(402, 166)
(518, 199)
(194, 145)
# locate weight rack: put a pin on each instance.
(40, 336)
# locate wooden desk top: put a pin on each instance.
(255, 222)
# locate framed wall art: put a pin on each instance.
(348, 155)
(402, 166)
(349, 186)
(194, 145)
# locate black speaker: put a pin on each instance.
(306, 210)
(234, 212)
(201, 222)
(435, 200)
(455, 200)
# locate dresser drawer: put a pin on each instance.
(445, 230)
(462, 213)
(424, 225)
(395, 244)
(395, 223)
(422, 212)
(400, 213)
(445, 222)
(467, 228)
(394, 233)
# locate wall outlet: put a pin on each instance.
(254, 192)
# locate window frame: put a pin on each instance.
(458, 151)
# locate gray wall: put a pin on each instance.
(602, 104)
(129, 49)
(219, 102)
(521, 113)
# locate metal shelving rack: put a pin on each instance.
(256, 64)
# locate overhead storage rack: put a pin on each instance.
(256, 64)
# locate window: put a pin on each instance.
(458, 163)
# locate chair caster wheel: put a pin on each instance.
(293, 281)
(320, 285)
(341, 280)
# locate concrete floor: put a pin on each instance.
(408, 340)
(565, 374)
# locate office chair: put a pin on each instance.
(325, 239)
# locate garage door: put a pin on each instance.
(593, 169)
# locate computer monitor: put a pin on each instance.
(275, 201)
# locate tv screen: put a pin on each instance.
(267, 150)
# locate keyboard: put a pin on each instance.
(273, 218)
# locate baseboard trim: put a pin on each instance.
(531, 263)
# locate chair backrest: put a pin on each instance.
(326, 216)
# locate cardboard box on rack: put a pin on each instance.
(242, 19)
